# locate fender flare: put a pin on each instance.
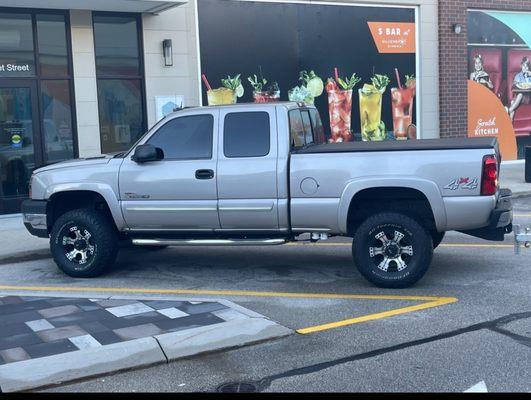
(426, 187)
(100, 188)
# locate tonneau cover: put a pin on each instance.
(403, 145)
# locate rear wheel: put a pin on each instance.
(83, 243)
(392, 250)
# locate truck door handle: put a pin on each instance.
(204, 174)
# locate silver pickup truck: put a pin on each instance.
(262, 174)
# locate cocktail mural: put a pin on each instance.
(340, 106)
(228, 93)
(261, 94)
(312, 86)
(370, 96)
(402, 106)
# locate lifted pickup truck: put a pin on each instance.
(261, 174)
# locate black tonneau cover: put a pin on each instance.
(405, 145)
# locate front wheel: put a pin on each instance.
(83, 243)
(392, 250)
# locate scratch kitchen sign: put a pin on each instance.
(393, 37)
(488, 118)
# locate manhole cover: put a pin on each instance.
(237, 387)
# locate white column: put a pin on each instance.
(177, 24)
(88, 126)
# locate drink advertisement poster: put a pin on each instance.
(499, 78)
(355, 63)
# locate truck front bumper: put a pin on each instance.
(500, 221)
(35, 218)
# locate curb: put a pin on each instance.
(521, 195)
(143, 352)
(24, 256)
(45, 371)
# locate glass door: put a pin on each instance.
(19, 141)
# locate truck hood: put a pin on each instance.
(78, 162)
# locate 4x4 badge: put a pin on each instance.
(462, 183)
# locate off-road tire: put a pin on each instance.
(415, 235)
(103, 239)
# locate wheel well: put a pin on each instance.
(411, 202)
(63, 202)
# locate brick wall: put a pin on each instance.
(453, 67)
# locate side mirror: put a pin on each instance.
(147, 152)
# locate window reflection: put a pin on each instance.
(116, 45)
(57, 120)
(16, 45)
(121, 113)
(51, 32)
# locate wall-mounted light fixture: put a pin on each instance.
(167, 52)
(458, 28)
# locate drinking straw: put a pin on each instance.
(336, 74)
(203, 77)
(398, 78)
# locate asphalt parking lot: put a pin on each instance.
(466, 324)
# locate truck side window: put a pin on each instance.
(185, 138)
(296, 129)
(308, 134)
(317, 125)
(246, 134)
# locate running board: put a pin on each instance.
(208, 242)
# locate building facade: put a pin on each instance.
(79, 78)
(485, 42)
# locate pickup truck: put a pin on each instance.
(262, 174)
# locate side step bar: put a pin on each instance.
(208, 242)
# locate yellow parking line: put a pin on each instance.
(441, 245)
(428, 301)
(371, 317)
(522, 215)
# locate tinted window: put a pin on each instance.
(57, 120)
(116, 45)
(185, 137)
(121, 113)
(296, 129)
(51, 32)
(317, 126)
(246, 134)
(306, 123)
(16, 45)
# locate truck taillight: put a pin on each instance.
(489, 176)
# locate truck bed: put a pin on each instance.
(406, 145)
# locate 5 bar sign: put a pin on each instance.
(463, 183)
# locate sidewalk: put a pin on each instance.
(18, 245)
(50, 340)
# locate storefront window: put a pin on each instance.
(16, 45)
(120, 80)
(121, 113)
(116, 45)
(53, 53)
(36, 96)
(57, 120)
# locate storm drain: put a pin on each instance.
(237, 387)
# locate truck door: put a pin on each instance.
(178, 192)
(247, 169)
